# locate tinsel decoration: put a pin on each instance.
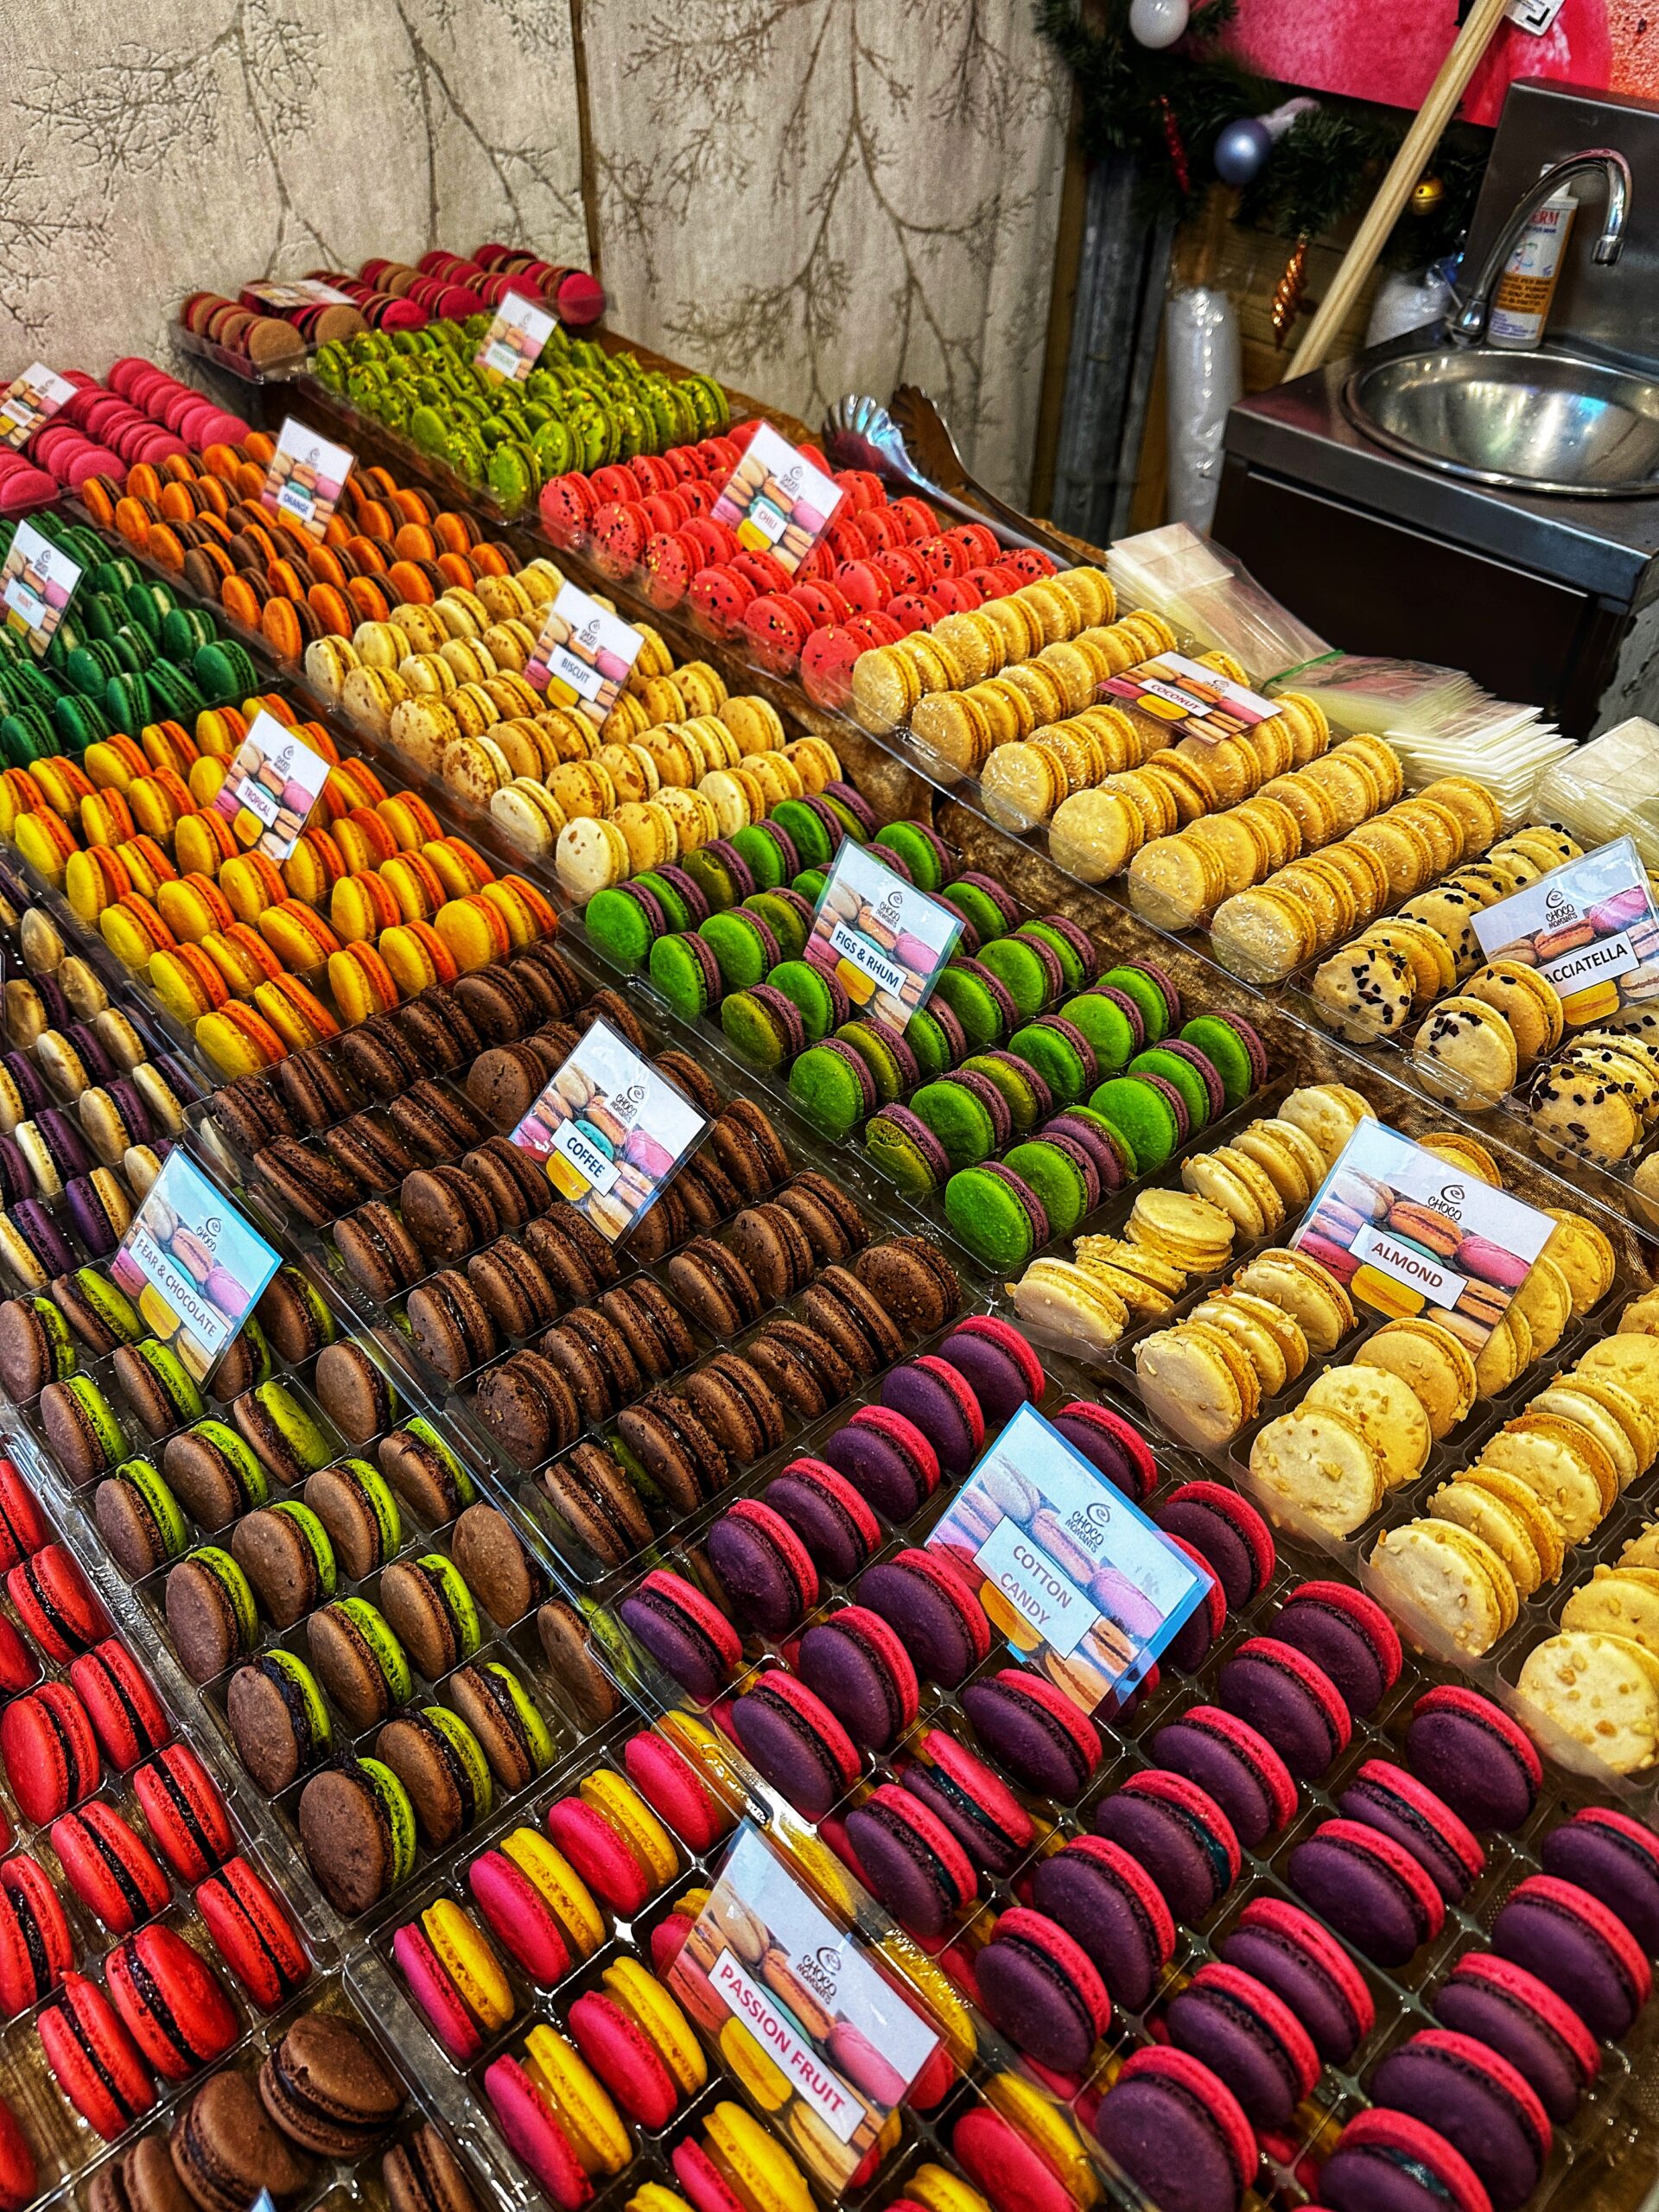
(1178, 160)
(1288, 292)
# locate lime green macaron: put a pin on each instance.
(145, 1510)
(304, 1702)
(464, 1755)
(238, 1593)
(373, 1633)
(506, 1688)
(395, 1813)
(315, 1537)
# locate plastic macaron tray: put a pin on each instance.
(487, 1632)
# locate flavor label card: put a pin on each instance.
(1076, 1577)
(611, 1130)
(1589, 929)
(306, 477)
(513, 344)
(884, 939)
(298, 292)
(776, 500)
(194, 1266)
(1406, 1230)
(584, 654)
(1193, 701)
(797, 2011)
(29, 400)
(271, 787)
(36, 585)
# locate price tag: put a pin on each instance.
(29, 400)
(299, 292)
(1192, 700)
(611, 1130)
(1404, 1229)
(1535, 15)
(1589, 929)
(886, 940)
(513, 344)
(776, 500)
(845, 2042)
(194, 1266)
(306, 477)
(271, 788)
(36, 585)
(1075, 1575)
(583, 655)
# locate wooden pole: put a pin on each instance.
(1419, 143)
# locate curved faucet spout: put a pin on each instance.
(1468, 325)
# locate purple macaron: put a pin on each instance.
(763, 1568)
(1248, 2038)
(1176, 1830)
(60, 1140)
(1617, 1860)
(1172, 1099)
(860, 1667)
(936, 1398)
(892, 1041)
(827, 1514)
(1176, 2129)
(1287, 1948)
(1502, 2004)
(1348, 1635)
(887, 1459)
(31, 1089)
(856, 804)
(1369, 1888)
(1475, 1756)
(997, 1365)
(938, 1617)
(1233, 1764)
(100, 1228)
(42, 1236)
(1290, 1701)
(1576, 1948)
(686, 1635)
(1386, 1797)
(16, 1176)
(1110, 1170)
(1106, 1898)
(1477, 2101)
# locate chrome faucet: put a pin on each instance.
(1468, 325)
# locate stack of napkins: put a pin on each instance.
(1504, 747)
(1210, 601)
(1608, 789)
(1371, 692)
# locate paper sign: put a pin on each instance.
(1194, 701)
(36, 585)
(1589, 929)
(840, 2037)
(776, 500)
(884, 939)
(583, 655)
(194, 1266)
(611, 1130)
(1535, 15)
(1076, 1577)
(1405, 1229)
(306, 477)
(299, 292)
(271, 788)
(513, 344)
(29, 400)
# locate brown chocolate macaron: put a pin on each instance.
(327, 2087)
(501, 1574)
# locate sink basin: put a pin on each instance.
(1527, 422)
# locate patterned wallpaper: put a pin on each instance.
(806, 195)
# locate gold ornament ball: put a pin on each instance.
(1427, 196)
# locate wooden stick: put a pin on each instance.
(1418, 144)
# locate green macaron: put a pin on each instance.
(1144, 1121)
(1214, 1036)
(826, 1082)
(1152, 1005)
(808, 836)
(619, 926)
(921, 849)
(962, 1123)
(753, 1029)
(808, 990)
(1181, 1075)
(739, 944)
(986, 1211)
(669, 897)
(1110, 1032)
(1017, 1079)
(680, 970)
(972, 1004)
(718, 883)
(783, 918)
(1058, 1180)
(1055, 1058)
(1028, 975)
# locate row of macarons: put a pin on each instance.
(138, 412)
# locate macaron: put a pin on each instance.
(858, 1666)
(536, 1903)
(1388, 2159)
(1475, 1756)
(935, 1614)
(614, 1841)
(184, 1812)
(1386, 1797)
(1234, 1764)
(1039, 1986)
(1248, 2038)
(1477, 2101)
(1033, 1728)
(1502, 2004)
(1290, 1699)
(1178, 1834)
(1616, 1857)
(1577, 1947)
(1173, 2127)
(93, 2058)
(1109, 1902)
(253, 1932)
(973, 1800)
(1287, 1948)
(171, 2002)
(1369, 1888)
(795, 1742)
(1348, 1635)
(911, 1860)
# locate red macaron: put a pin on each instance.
(20, 2177)
(624, 2058)
(49, 1752)
(95, 2059)
(185, 1812)
(24, 1529)
(253, 1933)
(674, 1789)
(56, 1603)
(36, 1946)
(110, 1868)
(171, 2001)
(128, 1718)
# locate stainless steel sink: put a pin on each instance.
(1526, 422)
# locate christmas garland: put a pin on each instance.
(1165, 108)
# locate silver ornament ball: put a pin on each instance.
(1158, 23)
(1242, 150)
